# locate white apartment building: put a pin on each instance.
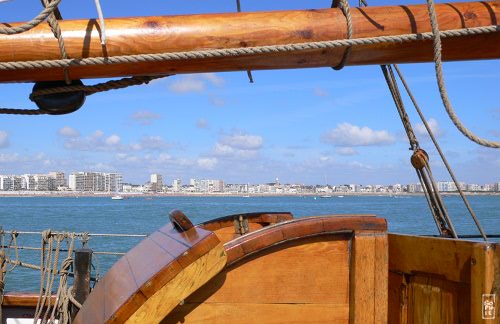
(59, 178)
(176, 185)
(10, 182)
(156, 181)
(95, 181)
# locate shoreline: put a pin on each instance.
(50, 194)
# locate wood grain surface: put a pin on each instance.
(233, 30)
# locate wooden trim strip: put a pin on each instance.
(23, 299)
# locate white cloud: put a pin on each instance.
(346, 134)
(218, 102)
(186, 84)
(195, 82)
(4, 139)
(213, 79)
(145, 117)
(239, 146)
(346, 151)
(434, 126)
(319, 92)
(113, 140)
(243, 142)
(98, 142)
(9, 157)
(202, 123)
(67, 131)
(207, 163)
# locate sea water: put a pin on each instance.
(141, 215)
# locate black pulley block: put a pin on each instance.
(58, 103)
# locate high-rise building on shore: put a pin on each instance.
(156, 181)
(95, 181)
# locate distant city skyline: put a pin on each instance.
(82, 181)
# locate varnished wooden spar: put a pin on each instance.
(233, 30)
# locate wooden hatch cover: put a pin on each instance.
(156, 275)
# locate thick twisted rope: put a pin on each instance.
(441, 84)
(56, 30)
(49, 9)
(346, 10)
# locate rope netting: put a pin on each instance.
(56, 252)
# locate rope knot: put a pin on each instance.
(46, 235)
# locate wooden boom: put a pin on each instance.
(142, 35)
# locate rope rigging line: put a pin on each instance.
(346, 10)
(49, 9)
(440, 152)
(52, 20)
(420, 162)
(441, 83)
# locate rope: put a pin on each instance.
(13, 240)
(101, 22)
(438, 209)
(56, 30)
(31, 248)
(242, 51)
(443, 158)
(88, 89)
(346, 10)
(49, 9)
(84, 234)
(441, 83)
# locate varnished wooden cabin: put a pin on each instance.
(322, 269)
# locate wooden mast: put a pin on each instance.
(233, 30)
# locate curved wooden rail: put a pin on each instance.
(153, 277)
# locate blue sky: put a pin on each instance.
(302, 126)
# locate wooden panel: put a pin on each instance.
(434, 300)
(188, 280)
(447, 277)
(235, 30)
(485, 272)
(305, 280)
(369, 279)
(397, 299)
(297, 228)
(313, 272)
(261, 313)
(449, 258)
